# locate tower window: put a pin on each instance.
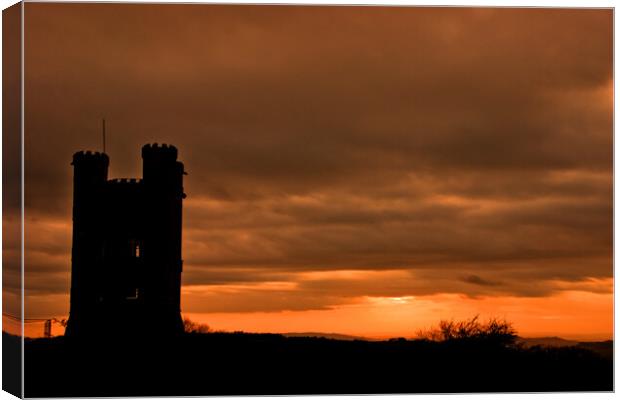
(135, 295)
(136, 248)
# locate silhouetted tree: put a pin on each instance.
(192, 327)
(62, 322)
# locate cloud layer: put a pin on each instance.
(336, 152)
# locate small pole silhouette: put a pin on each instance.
(47, 328)
(103, 123)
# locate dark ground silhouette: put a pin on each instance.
(240, 363)
(12, 363)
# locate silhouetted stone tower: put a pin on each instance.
(126, 256)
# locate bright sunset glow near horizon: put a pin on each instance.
(367, 171)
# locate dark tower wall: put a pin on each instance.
(163, 189)
(126, 255)
(90, 173)
(124, 268)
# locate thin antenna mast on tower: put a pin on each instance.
(104, 135)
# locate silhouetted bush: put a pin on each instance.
(494, 331)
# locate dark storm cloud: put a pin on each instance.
(469, 142)
(476, 280)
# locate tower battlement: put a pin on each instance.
(125, 181)
(163, 152)
(89, 156)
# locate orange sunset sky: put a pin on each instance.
(360, 170)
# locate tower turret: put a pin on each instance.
(163, 186)
(89, 179)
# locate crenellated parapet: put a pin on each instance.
(160, 152)
(161, 170)
(90, 173)
(125, 189)
(125, 181)
(91, 157)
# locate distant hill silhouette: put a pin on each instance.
(604, 348)
(336, 336)
(550, 341)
